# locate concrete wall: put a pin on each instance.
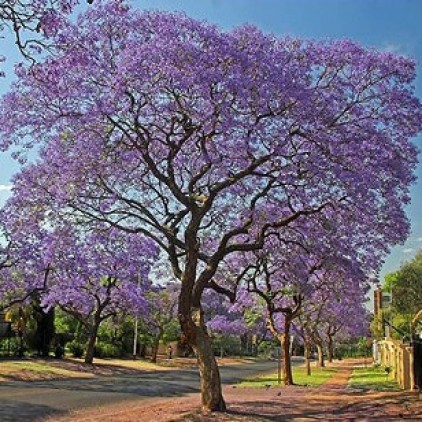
(163, 349)
(399, 358)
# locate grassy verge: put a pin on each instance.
(142, 364)
(26, 370)
(372, 378)
(318, 376)
(49, 369)
(46, 369)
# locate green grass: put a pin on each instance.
(35, 367)
(372, 378)
(317, 377)
(34, 370)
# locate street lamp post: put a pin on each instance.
(135, 328)
(135, 338)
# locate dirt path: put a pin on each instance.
(332, 401)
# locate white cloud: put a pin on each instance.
(5, 187)
(408, 250)
(419, 239)
(392, 48)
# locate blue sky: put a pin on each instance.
(393, 25)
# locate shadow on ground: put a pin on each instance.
(11, 411)
(339, 407)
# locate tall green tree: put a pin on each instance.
(407, 287)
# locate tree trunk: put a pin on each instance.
(192, 320)
(307, 353)
(156, 346)
(196, 335)
(288, 376)
(211, 393)
(330, 349)
(244, 342)
(45, 329)
(321, 362)
(89, 354)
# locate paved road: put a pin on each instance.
(30, 401)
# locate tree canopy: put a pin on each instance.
(406, 287)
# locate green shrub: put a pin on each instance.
(107, 350)
(76, 348)
(59, 352)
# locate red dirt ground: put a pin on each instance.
(332, 401)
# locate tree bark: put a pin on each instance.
(45, 329)
(288, 376)
(192, 319)
(321, 362)
(211, 392)
(307, 353)
(195, 334)
(156, 345)
(330, 349)
(89, 354)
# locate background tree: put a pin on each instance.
(45, 328)
(235, 327)
(405, 287)
(309, 285)
(102, 275)
(92, 276)
(282, 294)
(162, 312)
(333, 313)
(346, 317)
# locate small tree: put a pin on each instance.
(90, 276)
(406, 287)
(162, 312)
(102, 275)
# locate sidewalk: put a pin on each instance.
(332, 401)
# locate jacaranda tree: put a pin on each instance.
(289, 275)
(91, 275)
(162, 312)
(209, 142)
(100, 276)
(336, 305)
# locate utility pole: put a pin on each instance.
(135, 328)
